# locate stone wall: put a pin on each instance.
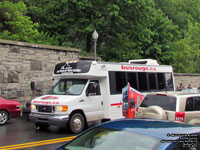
(185, 79)
(21, 63)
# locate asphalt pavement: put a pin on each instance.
(19, 133)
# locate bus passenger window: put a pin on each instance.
(152, 81)
(169, 81)
(161, 81)
(132, 79)
(120, 81)
(142, 81)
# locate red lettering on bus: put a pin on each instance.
(138, 68)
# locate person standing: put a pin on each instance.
(189, 86)
(181, 87)
(198, 87)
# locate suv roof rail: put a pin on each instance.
(144, 61)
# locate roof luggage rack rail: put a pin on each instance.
(144, 61)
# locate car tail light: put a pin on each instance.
(180, 116)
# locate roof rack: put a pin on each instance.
(144, 61)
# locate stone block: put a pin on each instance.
(12, 94)
(15, 49)
(39, 86)
(1, 76)
(36, 65)
(13, 76)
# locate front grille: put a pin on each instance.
(49, 109)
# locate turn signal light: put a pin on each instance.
(64, 108)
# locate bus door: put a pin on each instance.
(94, 101)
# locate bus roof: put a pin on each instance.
(85, 66)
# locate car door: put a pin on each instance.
(1, 103)
(192, 110)
(94, 101)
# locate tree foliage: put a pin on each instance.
(186, 15)
(128, 29)
(14, 24)
(165, 30)
(187, 54)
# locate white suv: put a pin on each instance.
(174, 106)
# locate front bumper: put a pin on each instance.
(56, 120)
(26, 111)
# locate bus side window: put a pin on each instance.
(142, 77)
(161, 81)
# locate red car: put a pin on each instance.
(8, 109)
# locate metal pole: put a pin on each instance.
(95, 49)
(95, 36)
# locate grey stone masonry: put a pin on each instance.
(186, 79)
(21, 63)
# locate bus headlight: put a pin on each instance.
(33, 107)
(63, 108)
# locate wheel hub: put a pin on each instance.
(2, 118)
(77, 124)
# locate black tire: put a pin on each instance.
(41, 126)
(3, 117)
(77, 123)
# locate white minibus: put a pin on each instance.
(90, 91)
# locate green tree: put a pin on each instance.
(187, 55)
(128, 29)
(182, 12)
(14, 24)
(186, 50)
(183, 59)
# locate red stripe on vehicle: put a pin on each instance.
(116, 104)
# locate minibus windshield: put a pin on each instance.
(68, 87)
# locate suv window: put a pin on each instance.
(189, 104)
(197, 103)
(166, 102)
(192, 104)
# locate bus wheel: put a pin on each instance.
(77, 123)
(40, 126)
(3, 117)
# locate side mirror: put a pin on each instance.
(132, 103)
